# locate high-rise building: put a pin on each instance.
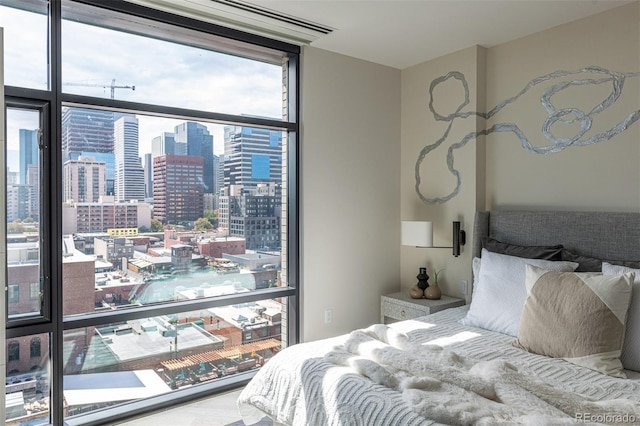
(218, 180)
(252, 156)
(28, 152)
(86, 131)
(218, 173)
(165, 144)
(12, 177)
(254, 215)
(199, 142)
(177, 188)
(109, 159)
(105, 214)
(33, 185)
(84, 180)
(129, 178)
(148, 175)
(18, 202)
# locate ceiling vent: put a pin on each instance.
(244, 16)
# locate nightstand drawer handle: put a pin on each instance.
(402, 313)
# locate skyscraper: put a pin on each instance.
(218, 174)
(148, 175)
(84, 180)
(177, 188)
(28, 152)
(86, 131)
(252, 156)
(218, 179)
(129, 179)
(255, 216)
(165, 144)
(109, 159)
(199, 142)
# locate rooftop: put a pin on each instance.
(98, 388)
(145, 338)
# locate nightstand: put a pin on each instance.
(400, 306)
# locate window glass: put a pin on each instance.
(25, 43)
(158, 70)
(27, 380)
(133, 235)
(154, 209)
(156, 355)
(23, 212)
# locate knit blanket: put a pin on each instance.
(395, 376)
(449, 388)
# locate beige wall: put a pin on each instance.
(419, 129)
(498, 173)
(603, 176)
(350, 162)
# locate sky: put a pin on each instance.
(163, 73)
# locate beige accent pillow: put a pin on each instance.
(579, 317)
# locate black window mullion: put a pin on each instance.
(81, 101)
(44, 111)
(293, 188)
(25, 93)
(146, 311)
(55, 214)
(27, 330)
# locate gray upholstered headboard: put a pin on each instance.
(613, 236)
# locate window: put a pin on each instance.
(13, 351)
(35, 347)
(13, 295)
(25, 123)
(141, 124)
(34, 291)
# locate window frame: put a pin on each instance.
(39, 101)
(52, 320)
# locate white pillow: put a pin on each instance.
(500, 293)
(631, 349)
(475, 266)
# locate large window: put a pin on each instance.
(151, 207)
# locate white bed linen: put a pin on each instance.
(298, 387)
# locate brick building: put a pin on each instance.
(178, 188)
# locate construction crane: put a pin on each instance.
(112, 86)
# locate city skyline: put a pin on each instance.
(221, 83)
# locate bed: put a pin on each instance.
(552, 336)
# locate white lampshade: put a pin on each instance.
(417, 233)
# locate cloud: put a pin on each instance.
(163, 72)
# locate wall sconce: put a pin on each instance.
(420, 234)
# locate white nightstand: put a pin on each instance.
(400, 306)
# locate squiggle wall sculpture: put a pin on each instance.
(554, 116)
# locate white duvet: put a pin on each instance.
(401, 375)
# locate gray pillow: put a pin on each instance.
(591, 264)
(527, 252)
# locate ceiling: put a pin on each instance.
(402, 33)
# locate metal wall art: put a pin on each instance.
(554, 116)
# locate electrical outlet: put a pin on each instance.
(328, 316)
(462, 288)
